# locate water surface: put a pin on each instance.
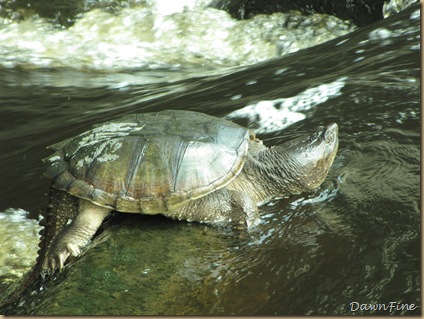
(355, 239)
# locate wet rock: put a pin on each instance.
(137, 265)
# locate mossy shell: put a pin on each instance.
(149, 163)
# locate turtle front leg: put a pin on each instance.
(244, 209)
(76, 235)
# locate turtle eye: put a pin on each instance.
(252, 137)
(329, 138)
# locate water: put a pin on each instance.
(155, 37)
(356, 239)
(18, 244)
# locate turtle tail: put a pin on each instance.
(61, 208)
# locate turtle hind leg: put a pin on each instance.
(73, 237)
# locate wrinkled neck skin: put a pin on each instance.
(280, 171)
(269, 175)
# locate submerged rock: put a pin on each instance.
(140, 265)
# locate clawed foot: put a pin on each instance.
(59, 254)
(70, 240)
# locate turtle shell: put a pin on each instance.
(149, 163)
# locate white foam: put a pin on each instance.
(275, 115)
(380, 34)
(415, 15)
(18, 248)
(159, 34)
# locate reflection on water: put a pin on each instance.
(356, 239)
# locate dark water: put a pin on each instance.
(356, 239)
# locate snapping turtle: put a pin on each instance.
(182, 164)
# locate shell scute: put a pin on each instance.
(151, 162)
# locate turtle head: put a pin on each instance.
(305, 161)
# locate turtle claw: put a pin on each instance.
(73, 249)
(62, 258)
(58, 257)
(52, 264)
